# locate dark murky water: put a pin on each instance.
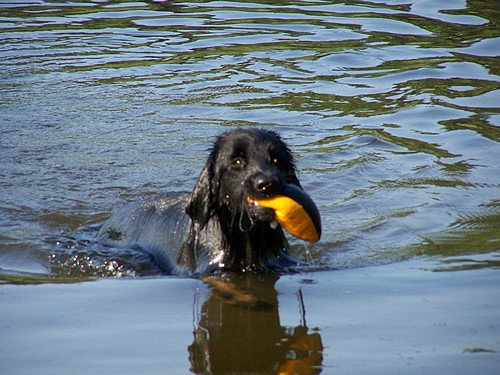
(391, 108)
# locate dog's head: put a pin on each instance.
(243, 163)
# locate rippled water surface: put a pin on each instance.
(391, 108)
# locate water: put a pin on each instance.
(391, 109)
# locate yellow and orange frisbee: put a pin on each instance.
(295, 211)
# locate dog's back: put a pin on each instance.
(158, 225)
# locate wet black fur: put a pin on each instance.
(214, 227)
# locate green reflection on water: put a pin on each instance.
(477, 123)
(34, 280)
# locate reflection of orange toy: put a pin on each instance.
(296, 213)
(307, 351)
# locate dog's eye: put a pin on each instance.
(238, 163)
(275, 158)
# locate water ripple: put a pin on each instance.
(392, 109)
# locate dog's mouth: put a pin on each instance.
(258, 212)
(293, 209)
(250, 214)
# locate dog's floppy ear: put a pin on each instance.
(291, 178)
(201, 201)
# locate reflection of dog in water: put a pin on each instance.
(238, 331)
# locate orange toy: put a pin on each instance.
(295, 211)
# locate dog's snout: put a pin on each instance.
(267, 184)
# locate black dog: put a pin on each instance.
(215, 228)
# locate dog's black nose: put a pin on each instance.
(267, 184)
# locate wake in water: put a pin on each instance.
(80, 255)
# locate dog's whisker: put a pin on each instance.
(243, 211)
